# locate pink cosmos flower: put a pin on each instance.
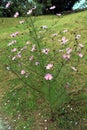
(66, 56)
(22, 72)
(45, 51)
(69, 50)
(73, 68)
(49, 66)
(19, 55)
(52, 7)
(14, 34)
(80, 55)
(31, 58)
(7, 5)
(48, 76)
(14, 50)
(64, 40)
(37, 63)
(16, 14)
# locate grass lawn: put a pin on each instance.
(17, 105)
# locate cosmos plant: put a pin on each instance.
(45, 69)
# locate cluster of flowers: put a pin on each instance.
(31, 58)
(46, 51)
(12, 42)
(66, 56)
(18, 53)
(14, 34)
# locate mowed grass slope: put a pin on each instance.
(20, 114)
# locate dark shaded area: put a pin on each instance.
(1, 1)
(61, 5)
(20, 6)
(43, 7)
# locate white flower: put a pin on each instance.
(45, 128)
(8, 68)
(49, 66)
(44, 27)
(29, 12)
(28, 42)
(14, 58)
(78, 36)
(73, 68)
(81, 45)
(33, 48)
(80, 55)
(45, 51)
(61, 50)
(21, 22)
(52, 7)
(55, 34)
(58, 14)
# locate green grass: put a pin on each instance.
(16, 101)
